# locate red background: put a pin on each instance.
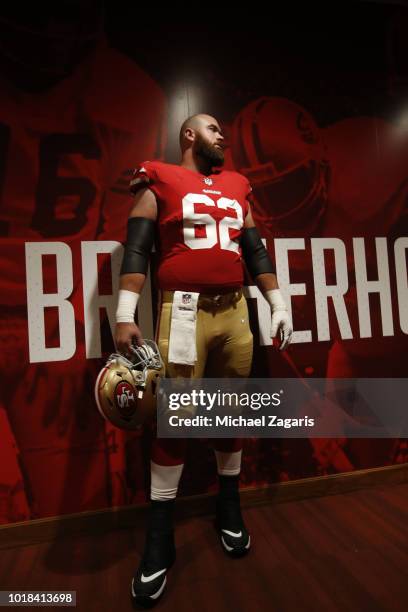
(321, 109)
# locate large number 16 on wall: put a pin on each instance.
(192, 218)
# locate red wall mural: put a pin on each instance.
(316, 121)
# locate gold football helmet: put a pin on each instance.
(126, 389)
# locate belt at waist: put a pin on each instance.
(209, 300)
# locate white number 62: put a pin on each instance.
(192, 218)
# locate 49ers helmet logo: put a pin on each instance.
(125, 390)
(125, 399)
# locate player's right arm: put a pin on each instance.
(139, 241)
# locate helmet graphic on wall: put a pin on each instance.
(277, 145)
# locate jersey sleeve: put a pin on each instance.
(143, 176)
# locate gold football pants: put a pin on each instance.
(224, 349)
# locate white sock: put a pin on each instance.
(228, 464)
(164, 480)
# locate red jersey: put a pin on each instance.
(200, 220)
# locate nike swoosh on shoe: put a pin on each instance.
(154, 595)
(231, 533)
(153, 576)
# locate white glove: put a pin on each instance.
(280, 317)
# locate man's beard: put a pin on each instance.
(214, 155)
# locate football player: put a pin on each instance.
(200, 217)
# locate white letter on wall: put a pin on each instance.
(381, 286)
(324, 291)
(37, 301)
(400, 247)
(93, 301)
(282, 246)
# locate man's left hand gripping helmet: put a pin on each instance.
(126, 389)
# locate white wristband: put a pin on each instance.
(275, 300)
(127, 302)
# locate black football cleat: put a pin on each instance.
(159, 555)
(229, 523)
(150, 579)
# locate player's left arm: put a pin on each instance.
(261, 269)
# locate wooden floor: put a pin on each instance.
(343, 552)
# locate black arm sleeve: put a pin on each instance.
(139, 242)
(254, 253)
